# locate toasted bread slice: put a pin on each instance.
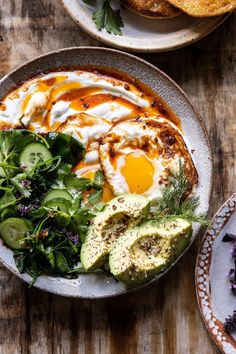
(160, 9)
(205, 8)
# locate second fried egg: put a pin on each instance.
(139, 156)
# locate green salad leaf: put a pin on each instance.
(95, 197)
(59, 225)
(7, 200)
(68, 148)
(99, 179)
(82, 184)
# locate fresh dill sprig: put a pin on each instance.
(199, 218)
(174, 203)
(173, 195)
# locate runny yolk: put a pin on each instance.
(138, 172)
(107, 192)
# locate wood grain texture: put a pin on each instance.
(162, 318)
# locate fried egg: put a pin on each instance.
(139, 156)
(88, 130)
(44, 103)
(113, 119)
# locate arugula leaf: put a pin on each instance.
(76, 204)
(108, 18)
(82, 230)
(20, 259)
(61, 262)
(21, 183)
(99, 179)
(8, 212)
(83, 216)
(95, 197)
(41, 212)
(63, 170)
(7, 200)
(62, 219)
(82, 184)
(50, 256)
(100, 206)
(68, 148)
(80, 222)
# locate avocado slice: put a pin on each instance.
(119, 214)
(146, 250)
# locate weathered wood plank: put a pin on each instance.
(164, 317)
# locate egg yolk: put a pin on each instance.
(138, 172)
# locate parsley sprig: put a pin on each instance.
(108, 18)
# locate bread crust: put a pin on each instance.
(205, 8)
(156, 9)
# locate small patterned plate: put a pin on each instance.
(215, 299)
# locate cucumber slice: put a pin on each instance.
(55, 194)
(14, 229)
(34, 154)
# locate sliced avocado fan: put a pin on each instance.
(120, 213)
(146, 250)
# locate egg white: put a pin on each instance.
(128, 133)
(13, 101)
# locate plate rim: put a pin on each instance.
(216, 214)
(98, 35)
(24, 277)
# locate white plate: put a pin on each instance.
(216, 301)
(97, 284)
(141, 34)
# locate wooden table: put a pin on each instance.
(162, 318)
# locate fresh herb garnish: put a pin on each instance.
(175, 203)
(108, 18)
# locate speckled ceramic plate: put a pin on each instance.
(216, 301)
(142, 34)
(95, 285)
